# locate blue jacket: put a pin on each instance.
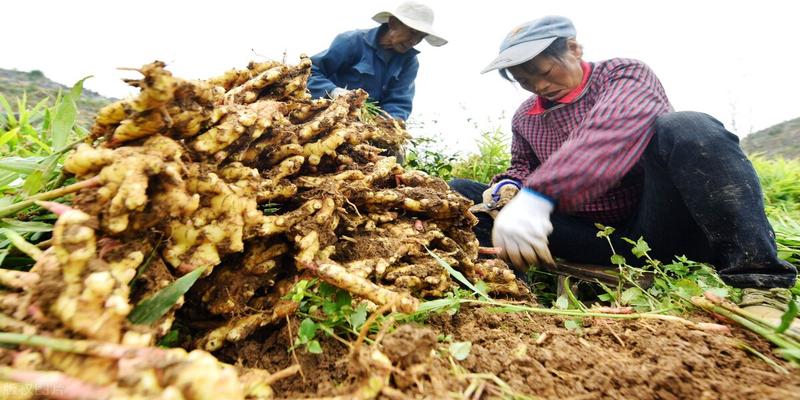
(356, 60)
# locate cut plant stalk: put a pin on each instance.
(572, 298)
(53, 194)
(756, 326)
(750, 349)
(433, 305)
(578, 313)
(795, 337)
(149, 355)
(21, 244)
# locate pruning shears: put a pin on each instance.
(496, 192)
(494, 202)
(495, 199)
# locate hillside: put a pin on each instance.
(779, 140)
(13, 84)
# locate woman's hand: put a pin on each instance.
(521, 229)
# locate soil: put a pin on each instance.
(538, 357)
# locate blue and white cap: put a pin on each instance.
(526, 41)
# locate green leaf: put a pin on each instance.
(432, 306)
(460, 350)
(617, 259)
(482, 287)
(562, 302)
(720, 292)
(298, 291)
(788, 317)
(33, 183)
(22, 109)
(77, 88)
(37, 110)
(785, 254)
(308, 328)
(8, 136)
(573, 324)
(687, 288)
(3, 254)
(313, 347)
(330, 308)
(605, 231)
(152, 309)
(171, 339)
(25, 226)
(359, 316)
(65, 116)
(9, 112)
(7, 178)
(31, 135)
(641, 248)
(326, 289)
(630, 294)
(343, 298)
(458, 275)
(47, 120)
(21, 165)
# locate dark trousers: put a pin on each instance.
(701, 198)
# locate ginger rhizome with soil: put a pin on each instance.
(247, 181)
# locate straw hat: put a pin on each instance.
(415, 15)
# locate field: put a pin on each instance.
(232, 238)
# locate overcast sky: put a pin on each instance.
(736, 60)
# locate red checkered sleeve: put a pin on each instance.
(608, 142)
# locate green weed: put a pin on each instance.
(33, 144)
(327, 309)
(492, 158)
(672, 282)
(425, 154)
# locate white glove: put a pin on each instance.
(521, 229)
(338, 92)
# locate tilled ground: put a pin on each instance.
(536, 356)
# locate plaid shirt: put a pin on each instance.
(585, 154)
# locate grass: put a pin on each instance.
(780, 181)
(34, 140)
(430, 155)
(492, 158)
